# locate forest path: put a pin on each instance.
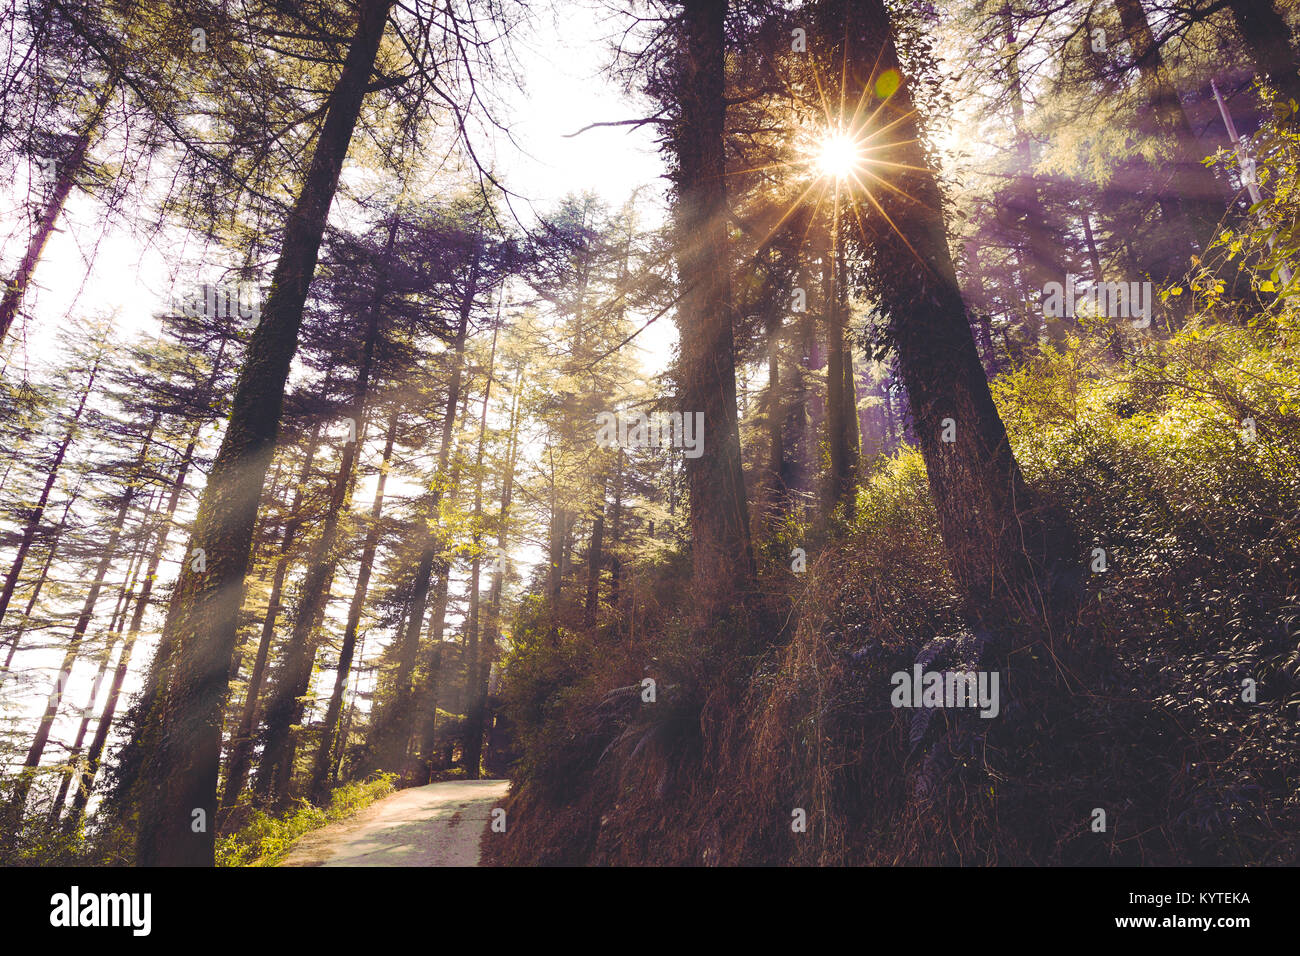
(436, 825)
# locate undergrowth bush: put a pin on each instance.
(264, 839)
(1178, 468)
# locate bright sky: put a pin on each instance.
(561, 61)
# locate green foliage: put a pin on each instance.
(36, 842)
(545, 678)
(265, 840)
(1153, 460)
(1182, 466)
(1265, 245)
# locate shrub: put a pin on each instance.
(1153, 460)
(266, 839)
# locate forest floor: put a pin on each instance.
(436, 825)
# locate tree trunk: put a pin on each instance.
(805, 403)
(68, 168)
(775, 416)
(176, 825)
(94, 755)
(419, 724)
(841, 404)
(473, 746)
(118, 618)
(554, 557)
(340, 746)
(34, 522)
(1190, 195)
(241, 745)
(18, 798)
(284, 704)
(616, 534)
(41, 577)
(595, 561)
(853, 429)
(319, 786)
(393, 727)
(499, 576)
(426, 716)
(721, 553)
(1094, 259)
(1007, 557)
(1040, 250)
(981, 306)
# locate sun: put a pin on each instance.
(838, 156)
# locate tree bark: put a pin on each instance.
(722, 555)
(340, 746)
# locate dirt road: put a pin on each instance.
(437, 825)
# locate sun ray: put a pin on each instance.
(891, 165)
(838, 155)
(867, 89)
(794, 207)
(848, 157)
(881, 209)
(901, 142)
(892, 187)
(886, 128)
